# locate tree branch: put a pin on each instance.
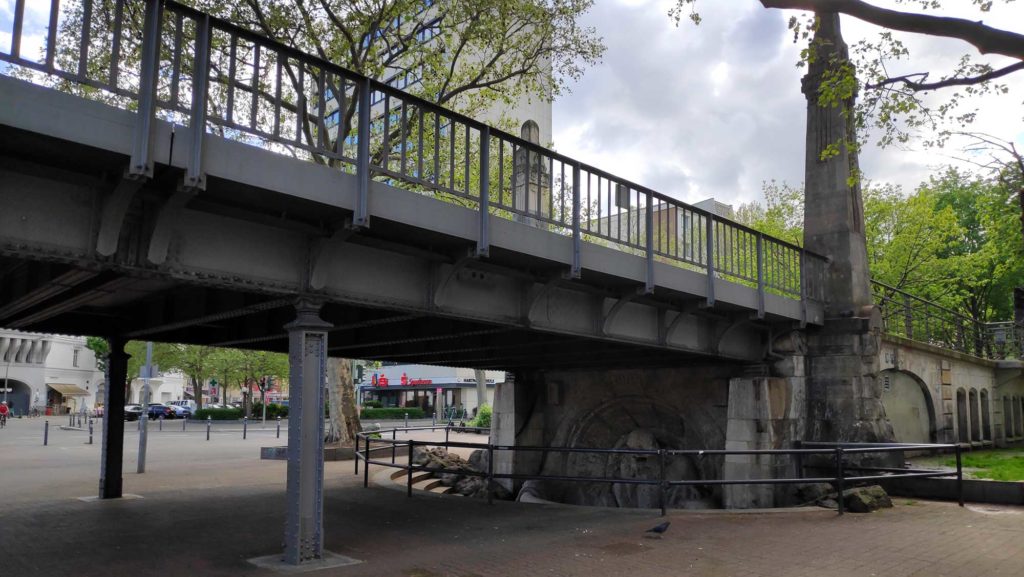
(986, 39)
(923, 86)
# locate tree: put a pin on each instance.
(481, 387)
(782, 215)
(891, 100)
(196, 362)
(343, 416)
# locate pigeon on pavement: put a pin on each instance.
(659, 529)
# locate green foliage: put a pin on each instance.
(782, 215)
(274, 410)
(218, 414)
(997, 465)
(100, 347)
(372, 404)
(392, 413)
(483, 417)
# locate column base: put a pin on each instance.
(277, 563)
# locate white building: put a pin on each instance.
(163, 388)
(48, 372)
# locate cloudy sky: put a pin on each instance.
(715, 110)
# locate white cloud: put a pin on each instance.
(714, 110)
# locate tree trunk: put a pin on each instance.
(341, 399)
(481, 387)
(197, 392)
(248, 399)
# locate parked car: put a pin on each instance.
(185, 403)
(132, 412)
(157, 410)
(181, 412)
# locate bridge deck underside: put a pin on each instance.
(223, 265)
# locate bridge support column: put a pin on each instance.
(112, 447)
(307, 356)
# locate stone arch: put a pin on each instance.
(974, 414)
(986, 416)
(19, 398)
(908, 405)
(1008, 430)
(615, 423)
(962, 433)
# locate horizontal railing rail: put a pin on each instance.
(912, 317)
(834, 454)
(164, 59)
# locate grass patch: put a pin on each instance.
(997, 465)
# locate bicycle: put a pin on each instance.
(3, 420)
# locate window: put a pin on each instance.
(74, 358)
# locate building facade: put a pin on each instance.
(49, 373)
(433, 389)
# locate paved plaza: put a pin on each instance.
(208, 506)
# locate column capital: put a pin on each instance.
(307, 316)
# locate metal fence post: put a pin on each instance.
(90, 430)
(279, 426)
(959, 477)
(408, 469)
(447, 429)
(366, 465)
(46, 433)
(393, 447)
(490, 473)
(663, 484)
(840, 483)
(799, 445)
(245, 427)
(649, 240)
(209, 422)
(355, 459)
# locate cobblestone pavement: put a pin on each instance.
(207, 513)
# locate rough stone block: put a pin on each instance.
(741, 430)
(866, 499)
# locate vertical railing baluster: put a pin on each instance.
(277, 94)
(361, 218)
(194, 171)
(300, 107)
(51, 34)
(709, 244)
(321, 110)
(83, 45)
(176, 59)
(483, 243)
(19, 19)
(229, 113)
(437, 149)
(649, 242)
(576, 269)
(404, 143)
(759, 248)
(419, 147)
(386, 151)
(115, 48)
(256, 73)
(141, 164)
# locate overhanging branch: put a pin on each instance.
(908, 82)
(986, 39)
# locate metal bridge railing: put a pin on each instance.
(163, 59)
(838, 458)
(914, 318)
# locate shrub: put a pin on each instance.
(392, 413)
(483, 416)
(274, 410)
(372, 404)
(218, 414)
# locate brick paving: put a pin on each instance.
(207, 514)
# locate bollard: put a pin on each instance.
(209, 421)
(279, 426)
(46, 433)
(161, 422)
(138, 424)
(433, 419)
(90, 430)
(407, 420)
(184, 422)
(245, 427)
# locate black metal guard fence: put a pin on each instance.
(836, 455)
(167, 60)
(914, 318)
